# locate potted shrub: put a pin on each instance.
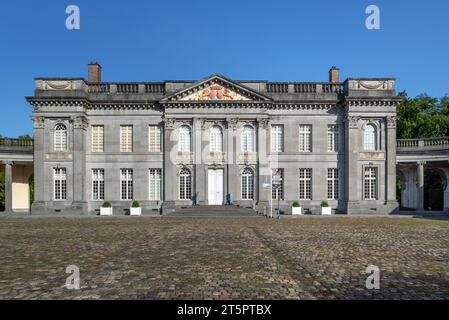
(135, 209)
(296, 209)
(106, 209)
(325, 209)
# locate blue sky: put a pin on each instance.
(139, 40)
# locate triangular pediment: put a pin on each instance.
(216, 88)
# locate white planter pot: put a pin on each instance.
(296, 211)
(105, 211)
(135, 211)
(326, 211)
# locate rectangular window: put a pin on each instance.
(305, 184)
(97, 184)
(60, 184)
(155, 184)
(126, 184)
(370, 183)
(332, 184)
(277, 181)
(305, 138)
(277, 138)
(126, 138)
(154, 139)
(332, 138)
(97, 139)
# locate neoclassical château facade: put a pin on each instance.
(214, 141)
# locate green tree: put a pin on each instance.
(423, 117)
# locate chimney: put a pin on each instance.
(334, 75)
(94, 72)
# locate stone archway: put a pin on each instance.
(401, 186)
(434, 188)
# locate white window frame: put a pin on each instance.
(277, 138)
(332, 138)
(126, 138)
(154, 138)
(216, 139)
(154, 184)
(97, 184)
(275, 192)
(60, 184)
(185, 184)
(370, 137)
(305, 138)
(247, 139)
(305, 184)
(97, 138)
(60, 137)
(333, 184)
(370, 183)
(126, 184)
(184, 139)
(247, 184)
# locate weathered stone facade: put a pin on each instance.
(231, 106)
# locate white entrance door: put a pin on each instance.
(215, 186)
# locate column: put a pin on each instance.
(391, 172)
(264, 170)
(8, 187)
(38, 205)
(233, 177)
(169, 171)
(420, 185)
(353, 181)
(199, 177)
(79, 203)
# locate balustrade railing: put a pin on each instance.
(19, 143)
(423, 144)
(277, 87)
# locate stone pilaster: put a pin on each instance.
(391, 172)
(199, 174)
(231, 159)
(353, 179)
(8, 187)
(169, 172)
(420, 185)
(38, 206)
(264, 171)
(79, 165)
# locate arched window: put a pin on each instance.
(184, 139)
(247, 184)
(60, 135)
(248, 139)
(216, 139)
(370, 138)
(185, 184)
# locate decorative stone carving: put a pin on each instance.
(80, 123)
(39, 122)
(263, 123)
(58, 85)
(392, 122)
(169, 123)
(368, 84)
(214, 92)
(353, 122)
(207, 124)
(232, 123)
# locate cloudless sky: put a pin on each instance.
(281, 40)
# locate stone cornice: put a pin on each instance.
(373, 102)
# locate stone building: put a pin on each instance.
(214, 141)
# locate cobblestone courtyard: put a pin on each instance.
(224, 258)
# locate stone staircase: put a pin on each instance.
(213, 212)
